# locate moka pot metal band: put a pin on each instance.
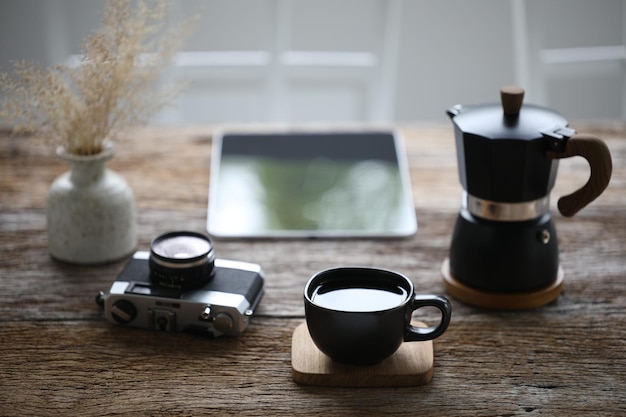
(506, 212)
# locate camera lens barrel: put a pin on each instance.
(181, 260)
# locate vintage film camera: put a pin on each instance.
(180, 286)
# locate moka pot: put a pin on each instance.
(504, 252)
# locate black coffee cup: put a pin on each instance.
(361, 316)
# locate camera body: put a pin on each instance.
(222, 306)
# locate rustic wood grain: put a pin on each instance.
(59, 357)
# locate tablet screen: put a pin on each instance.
(341, 184)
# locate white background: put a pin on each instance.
(372, 61)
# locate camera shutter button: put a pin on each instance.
(223, 322)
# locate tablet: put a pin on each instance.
(310, 184)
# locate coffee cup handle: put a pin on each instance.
(597, 154)
(420, 334)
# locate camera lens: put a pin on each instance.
(181, 260)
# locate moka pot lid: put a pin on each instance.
(509, 119)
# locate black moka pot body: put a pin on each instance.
(504, 248)
(507, 256)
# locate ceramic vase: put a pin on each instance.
(90, 211)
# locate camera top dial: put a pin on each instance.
(181, 260)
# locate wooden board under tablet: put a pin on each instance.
(412, 364)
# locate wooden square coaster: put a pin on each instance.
(412, 364)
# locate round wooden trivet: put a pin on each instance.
(501, 301)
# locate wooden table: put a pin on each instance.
(59, 357)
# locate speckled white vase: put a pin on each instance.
(90, 211)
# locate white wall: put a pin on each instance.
(410, 59)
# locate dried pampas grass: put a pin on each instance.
(112, 88)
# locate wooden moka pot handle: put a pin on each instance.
(597, 154)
